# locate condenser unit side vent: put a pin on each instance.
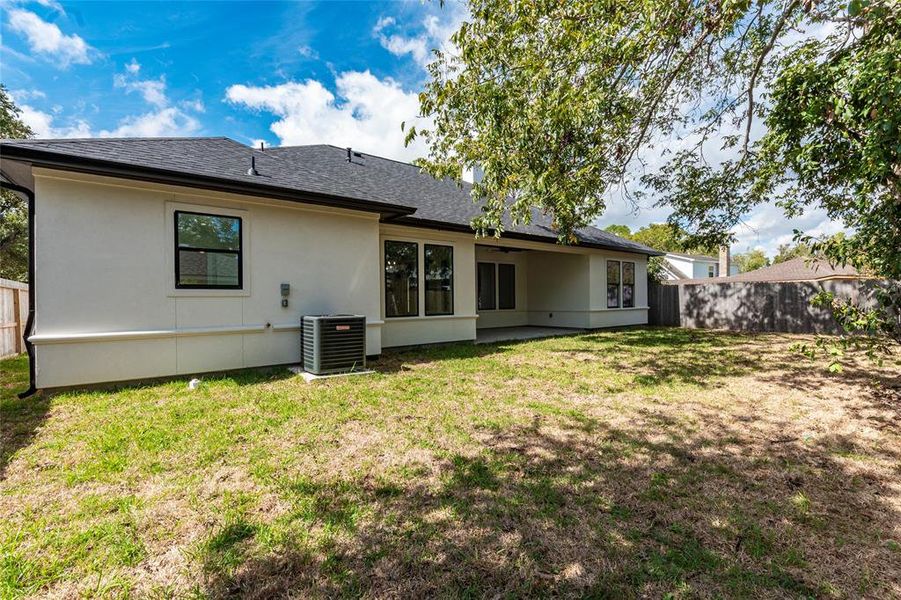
(333, 343)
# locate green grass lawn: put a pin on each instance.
(634, 463)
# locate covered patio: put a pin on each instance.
(525, 332)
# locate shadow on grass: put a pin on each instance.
(659, 356)
(20, 419)
(570, 508)
(696, 358)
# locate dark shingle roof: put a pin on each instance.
(393, 188)
(796, 269)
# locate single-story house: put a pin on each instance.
(795, 269)
(169, 256)
(679, 266)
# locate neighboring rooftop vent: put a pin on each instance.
(333, 343)
(253, 166)
(351, 155)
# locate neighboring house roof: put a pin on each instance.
(700, 257)
(796, 269)
(672, 271)
(319, 174)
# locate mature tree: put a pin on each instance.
(750, 260)
(13, 208)
(622, 231)
(671, 238)
(665, 237)
(735, 103)
(789, 251)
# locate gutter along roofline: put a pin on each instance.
(412, 221)
(93, 166)
(389, 212)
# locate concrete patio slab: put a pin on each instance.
(308, 377)
(506, 334)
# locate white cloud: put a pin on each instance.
(161, 123)
(42, 125)
(133, 67)
(431, 33)
(364, 112)
(195, 105)
(152, 90)
(21, 96)
(308, 52)
(52, 4)
(47, 38)
(398, 45)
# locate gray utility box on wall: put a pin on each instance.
(333, 343)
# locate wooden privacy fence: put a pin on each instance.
(752, 306)
(13, 314)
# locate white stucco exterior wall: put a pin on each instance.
(519, 315)
(422, 329)
(107, 307)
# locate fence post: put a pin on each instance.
(17, 320)
(13, 315)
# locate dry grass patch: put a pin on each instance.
(633, 463)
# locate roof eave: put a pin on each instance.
(64, 162)
(444, 226)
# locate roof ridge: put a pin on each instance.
(115, 139)
(344, 148)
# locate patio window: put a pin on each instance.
(613, 282)
(439, 280)
(401, 279)
(487, 286)
(207, 251)
(506, 286)
(628, 284)
(711, 271)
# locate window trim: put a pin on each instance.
(239, 252)
(425, 280)
(385, 277)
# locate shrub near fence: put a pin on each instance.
(752, 306)
(13, 314)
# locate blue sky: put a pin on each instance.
(344, 73)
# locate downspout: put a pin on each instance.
(29, 324)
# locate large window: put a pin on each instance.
(613, 281)
(628, 284)
(401, 279)
(439, 280)
(487, 291)
(496, 286)
(506, 286)
(207, 251)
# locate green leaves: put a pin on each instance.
(564, 103)
(13, 208)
